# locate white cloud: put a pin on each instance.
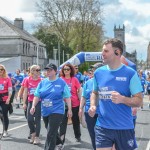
(24, 9)
(141, 8)
(135, 15)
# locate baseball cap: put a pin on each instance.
(96, 65)
(51, 66)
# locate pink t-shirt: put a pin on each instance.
(5, 83)
(73, 85)
(23, 82)
(31, 84)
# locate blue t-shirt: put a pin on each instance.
(19, 79)
(86, 93)
(143, 83)
(79, 76)
(123, 80)
(52, 94)
(148, 85)
(85, 78)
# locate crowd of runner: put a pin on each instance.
(107, 95)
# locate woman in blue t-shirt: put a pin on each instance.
(52, 91)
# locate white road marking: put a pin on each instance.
(16, 117)
(142, 134)
(148, 146)
(18, 127)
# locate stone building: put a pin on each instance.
(120, 34)
(18, 48)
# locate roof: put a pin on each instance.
(8, 30)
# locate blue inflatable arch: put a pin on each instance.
(82, 57)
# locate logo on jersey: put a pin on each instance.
(57, 85)
(121, 78)
(131, 142)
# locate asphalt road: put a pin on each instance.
(18, 133)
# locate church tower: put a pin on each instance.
(119, 33)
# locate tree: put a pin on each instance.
(58, 14)
(75, 22)
(88, 23)
(51, 42)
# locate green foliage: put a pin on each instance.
(51, 41)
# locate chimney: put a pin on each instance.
(18, 22)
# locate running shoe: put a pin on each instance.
(36, 141)
(5, 134)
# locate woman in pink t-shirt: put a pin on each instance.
(34, 121)
(67, 73)
(5, 95)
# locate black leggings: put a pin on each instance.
(5, 108)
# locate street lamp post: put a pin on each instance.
(55, 53)
(63, 55)
(67, 56)
(58, 52)
(37, 59)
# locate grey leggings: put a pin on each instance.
(34, 121)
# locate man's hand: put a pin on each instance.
(92, 111)
(116, 97)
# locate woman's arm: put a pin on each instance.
(68, 101)
(25, 94)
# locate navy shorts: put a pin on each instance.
(123, 139)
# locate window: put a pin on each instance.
(23, 48)
(23, 65)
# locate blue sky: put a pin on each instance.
(134, 14)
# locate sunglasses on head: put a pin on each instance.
(67, 69)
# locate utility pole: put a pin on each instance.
(67, 56)
(63, 56)
(58, 52)
(55, 53)
(37, 59)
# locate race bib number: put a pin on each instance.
(32, 91)
(47, 103)
(1, 86)
(105, 93)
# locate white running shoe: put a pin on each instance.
(5, 134)
(59, 147)
(36, 141)
(32, 138)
